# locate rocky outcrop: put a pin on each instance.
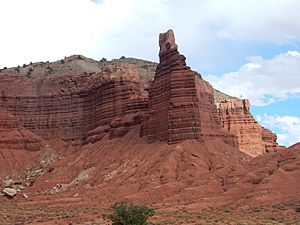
(236, 117)
(67, 107)
(295, 147)
(181, 104)
(81, 97)
(15, 137)
(198, 138)
(272, 178)
(19, 147)
(10, 192)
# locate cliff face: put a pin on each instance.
(18, 146)
(79, 100)
(181, 104)
(198, 136)
(236, 117)
(67, 107)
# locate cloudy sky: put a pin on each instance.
(249, 48)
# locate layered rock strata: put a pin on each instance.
(15, 137)
(236, 117)
(84, 99)
(18, 146)
(181, 104)
(67, 107)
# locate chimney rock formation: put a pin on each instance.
(181, 103)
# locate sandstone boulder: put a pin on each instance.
(10, 192)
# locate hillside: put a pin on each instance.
(95, 132)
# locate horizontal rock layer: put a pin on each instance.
(181, 103)
(82, 96)
(67, 107)
(18, 146)
(236, 117)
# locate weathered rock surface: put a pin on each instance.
(13, 136)
(10, 192)
(182, 143)
(181, 104)
(271, 178)
(295, 147)
(82, 96)
(18, 146)
(67, 107)
(236, 117)
(8, 183)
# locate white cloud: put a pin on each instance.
(34, 30)
(287, 127)
(263, 81)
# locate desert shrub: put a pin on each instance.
(103, 60)
(122, 57)
(129, 214)
(297, 210)
(48, 71)
(28, 74)
(17, 69)
(62, 61)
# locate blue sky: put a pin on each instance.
(249, 49)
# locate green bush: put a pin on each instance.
(28, 74)
(103, 60)
(129, 214)
(48, 71)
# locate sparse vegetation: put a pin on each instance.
(123, 57)
(129, 214)
(4, 67)
(29, 72)
(11, 213)
(48, 71)
(24, 65)
(103, 60)
(62, 61)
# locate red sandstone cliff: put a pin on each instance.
(236, 117)
(181, 103)
(18, 146)
(82, 96)
(68, 107)
(166, 140)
